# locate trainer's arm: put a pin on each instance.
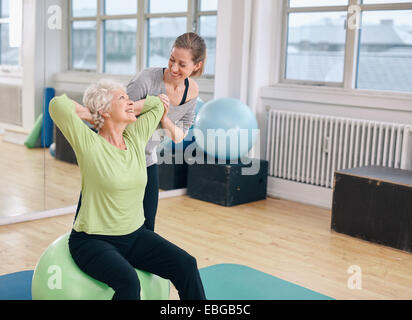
(172, 131)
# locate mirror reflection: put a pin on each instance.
(79, 47)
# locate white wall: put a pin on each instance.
(45, 62)
(247, 67)
(244, 53)
(32, 61)
(17, 76)
(256, 82)
(64, 80)
(232, 55)
(40, 59)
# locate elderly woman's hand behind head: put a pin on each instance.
(83, 113)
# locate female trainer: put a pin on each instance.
(187, 60)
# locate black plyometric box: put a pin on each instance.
(374, 204)
(173, 173)
(228, 184)
(64, 150)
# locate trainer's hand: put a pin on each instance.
(165, 99)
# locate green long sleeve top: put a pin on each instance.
(113, 180)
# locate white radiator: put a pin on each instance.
(11, 104)
(309, 148)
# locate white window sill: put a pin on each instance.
(11, 72)
(394, 101)
(85, 77)
(79, 80)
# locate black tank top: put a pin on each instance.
(186, 90)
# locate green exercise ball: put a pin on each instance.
(57, 277)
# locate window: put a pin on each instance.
(84, 45)
(206, 27)
(385, 51)
(348, 43)
(316, 46)
(166, 21)
(8, 56)
(126, 36)
(119, 46)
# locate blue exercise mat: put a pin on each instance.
(16, 286)
(238, 282)
(221, 282)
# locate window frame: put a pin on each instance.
(7, 68)
(198, 13)
(192, 15)
(351, 52)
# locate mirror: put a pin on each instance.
(22, 158)
(66, 46)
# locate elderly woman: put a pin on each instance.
(179, 92)
(109, 239)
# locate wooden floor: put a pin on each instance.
(32, 180)
(289, 240)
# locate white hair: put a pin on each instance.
(98, 97)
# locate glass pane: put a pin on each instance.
(84, 45)
(5, 12)
(207, 29)
(385, 51)
(115, 7)
(317, 3)
(167, 6)
(316, 46)
(120, 46)
(9, 56)
(162, 33)
(84, 8)
(208, 5)
(385, 1)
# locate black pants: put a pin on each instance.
(150, 200)
(112, 259)
(151, 196)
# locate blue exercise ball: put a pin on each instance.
(225, 129)
(52, 149)
(170, 146)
